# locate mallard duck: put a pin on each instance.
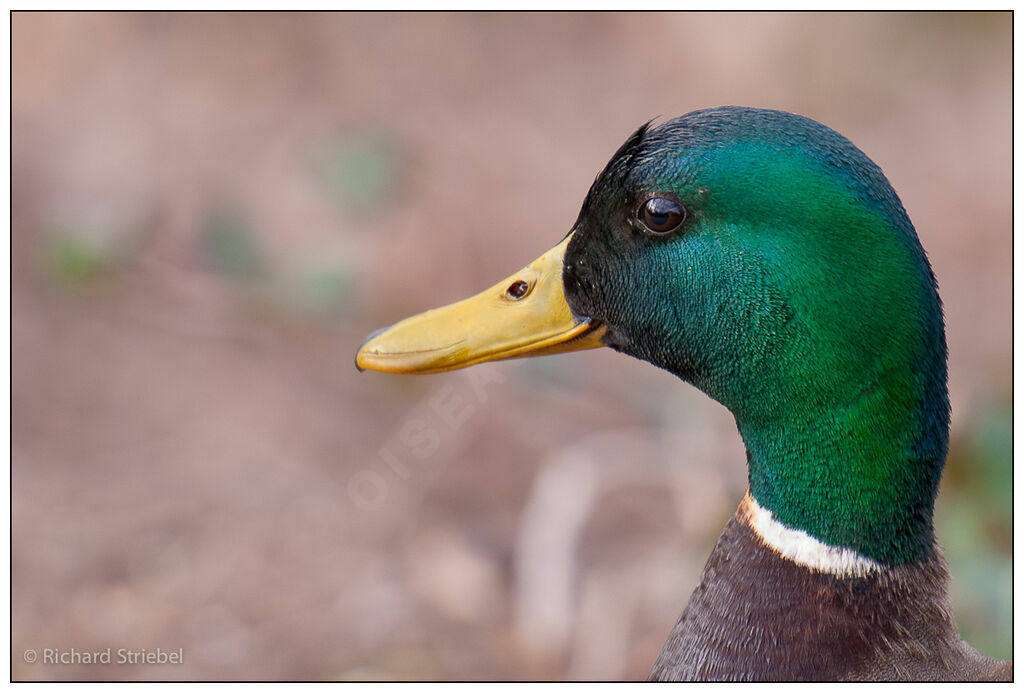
(763, 258)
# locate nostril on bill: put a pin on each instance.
(517, 290)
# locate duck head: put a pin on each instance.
(765, 259)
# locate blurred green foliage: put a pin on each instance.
(974, 521)
(361, 172)
(80, 246)
(313, 289)
(230, 244)
(315, 292)
(75, 260)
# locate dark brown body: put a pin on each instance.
(758, 616)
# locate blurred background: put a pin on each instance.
(211, 211)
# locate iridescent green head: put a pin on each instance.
(765, 259)
(762, 257)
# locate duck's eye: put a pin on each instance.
(661, 215)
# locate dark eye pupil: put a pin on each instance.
(661, 215)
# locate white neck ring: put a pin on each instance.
(801, 548)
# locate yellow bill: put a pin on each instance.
(524, 315)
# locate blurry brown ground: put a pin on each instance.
(211, 211)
